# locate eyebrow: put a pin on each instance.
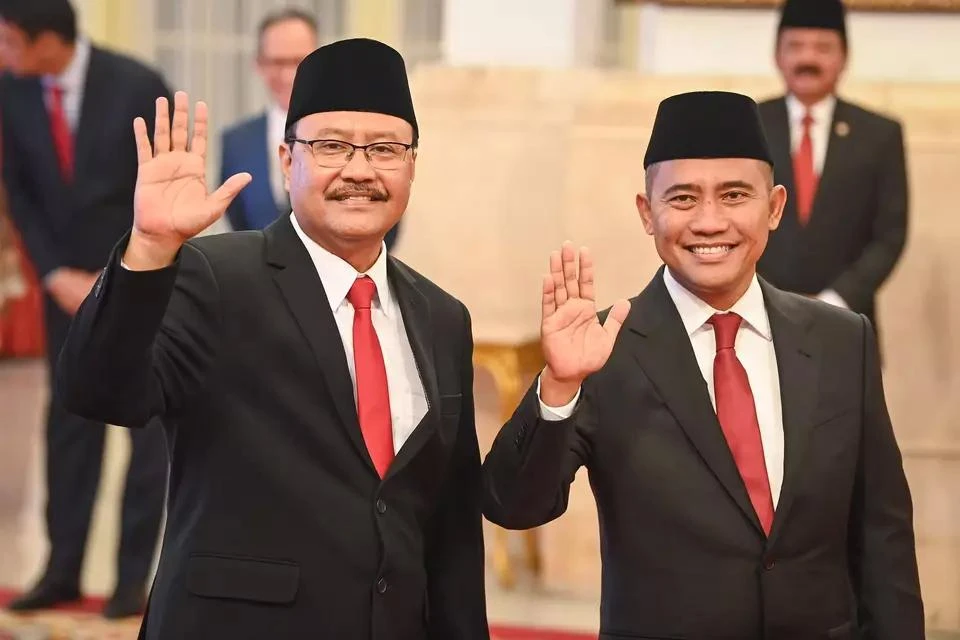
(342, 133)
(724, 186)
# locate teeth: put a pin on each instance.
(711, 251)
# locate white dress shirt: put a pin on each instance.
(276, 123)
(754, 348)
(408, 402)
(822, 113)
(72, 81)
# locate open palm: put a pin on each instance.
(573, 341)
(171, 203)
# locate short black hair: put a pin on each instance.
(283, 15)
(35, 17)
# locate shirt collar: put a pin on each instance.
(694, 312)
(276, 119)
(822, 111)
(74, 75)
(337, 275)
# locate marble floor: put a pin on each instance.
(23, 546)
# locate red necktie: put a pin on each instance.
(804, 176)
(373, 398)
(738, 416)
(60, 128)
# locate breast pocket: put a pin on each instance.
(236, 578)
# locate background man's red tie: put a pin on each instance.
(804, 175)
(738, 416)
(60, 128)
(373, 398)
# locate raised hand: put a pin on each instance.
(171, 203)
(573, 341)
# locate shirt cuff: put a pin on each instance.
(832, 297)
(556, 414)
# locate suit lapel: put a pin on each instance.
(298, 281)
(838, 148)
(666, 355)
(797, 364)
(93, 109)
(36, 118)
(415, 309)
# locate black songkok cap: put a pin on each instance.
(707, 124)
(814, 14)
(352, 75)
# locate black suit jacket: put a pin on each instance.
(279, 526)
(858, 226)
(683, 553)
(76, 224)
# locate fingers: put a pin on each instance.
(144, 150)
(181, 121)
(616, 317)
(556, 274)
(549, 297)
(586, 275)
(569, 259)
(222, 197)
(199, 143)
(161, 127)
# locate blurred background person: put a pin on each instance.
(845, 224)
(70, 175)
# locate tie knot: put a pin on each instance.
(725, 326)
(362, 292)
(807, 119)
(56, 90)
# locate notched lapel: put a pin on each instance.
(838, 148)
(302, 289)
(93, 109)
(664, 352)
(798, 361)
(418, 324)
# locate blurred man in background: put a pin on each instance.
(845, 223)
(69, 168)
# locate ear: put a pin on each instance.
(286, 160)
(778, 200)
(646, 212)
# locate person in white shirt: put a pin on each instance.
(845, 223)
(284, 39)
(747, 478)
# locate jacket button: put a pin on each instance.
(381, 585)
(381, 506)
(768, 564)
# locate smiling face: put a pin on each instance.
(710, 220)
(350, 207)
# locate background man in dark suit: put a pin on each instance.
(308, 497)
(845, 223)
(68, 165)
(747, 478)
(252, 146)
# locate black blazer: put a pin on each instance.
(858, 226)
(683, 553)
(279, 526)
(76, 224)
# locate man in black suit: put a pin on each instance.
(69, 156)
(316, 392)
(845, 223)
(747, 478)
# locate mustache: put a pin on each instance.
(807, 69)
(357, 191)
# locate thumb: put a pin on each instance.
(616, 317)
(222, 197)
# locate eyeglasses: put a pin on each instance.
(335, 154)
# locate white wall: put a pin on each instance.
(884, 46)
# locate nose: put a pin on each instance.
(358, 169)
(709, 219)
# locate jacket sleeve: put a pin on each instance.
(142, 342)
(455, 550)
(882, 543)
